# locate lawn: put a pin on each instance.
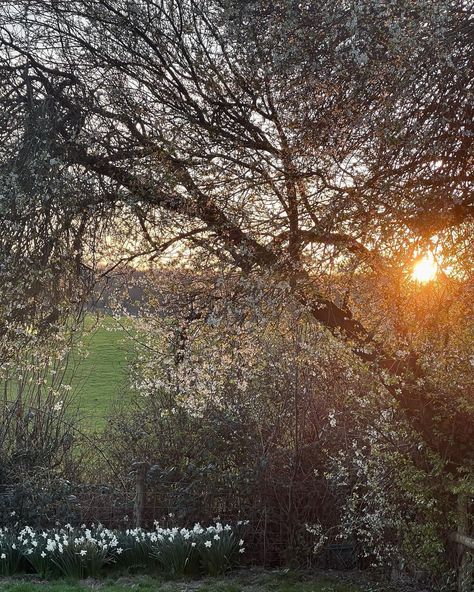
(246, 581)
(99, 380)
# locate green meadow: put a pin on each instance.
(96, 369)
(99, 380)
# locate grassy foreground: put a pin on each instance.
(248, 581)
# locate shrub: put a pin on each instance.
(240, 426)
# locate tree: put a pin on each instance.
(284, 139)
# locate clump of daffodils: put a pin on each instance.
(67, 551)
(213, 549)
(85, 551)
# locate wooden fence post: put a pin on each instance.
(465, 569)
(141, 469)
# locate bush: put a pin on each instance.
(241, 427)
(40, 454)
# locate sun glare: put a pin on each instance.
(425, 269)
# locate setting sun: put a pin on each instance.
(425, 269)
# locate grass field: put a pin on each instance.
(246, 581)
(99, 380)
